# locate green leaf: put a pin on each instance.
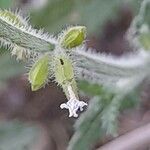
(13, 32)
(109, 116)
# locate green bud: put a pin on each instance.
(14, 18)
(38, 74)
(73, 37)
(64, 74)
(144, 39)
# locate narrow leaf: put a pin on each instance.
(14, 33)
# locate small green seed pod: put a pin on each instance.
(64, 74)
(38, 74)
(73, 37)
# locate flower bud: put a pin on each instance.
(38, 74)
(73, 37)
(13, 18)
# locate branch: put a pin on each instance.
(136, 139)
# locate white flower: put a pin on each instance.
(73, 104)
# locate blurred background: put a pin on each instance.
(33, 120)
